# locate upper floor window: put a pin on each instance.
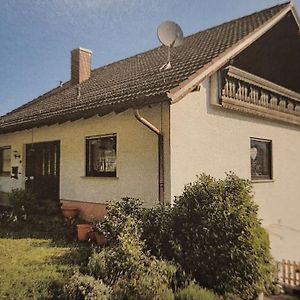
(5, 160)
(261, 159)
(101, 156)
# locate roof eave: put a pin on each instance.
(177, 93)
(89, 113)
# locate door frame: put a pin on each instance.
(57, 142)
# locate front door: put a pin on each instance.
(42, 169)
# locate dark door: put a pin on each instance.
(42, 169)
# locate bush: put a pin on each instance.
(124, 257)
(37, 218)
(130, 270)
(23, 203)
(150, 282)
(117, 214)
(157, 230)
(219, 239)
(84, 287)
(195, 292)
(27, 208)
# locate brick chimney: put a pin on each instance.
(80, 65)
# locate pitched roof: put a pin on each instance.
(134, 81)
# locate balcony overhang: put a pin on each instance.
(248, 93)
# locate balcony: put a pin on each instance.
(247, 93)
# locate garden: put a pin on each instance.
(208, 245)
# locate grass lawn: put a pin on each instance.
(30, 268)
(36, 268)
(38, 252)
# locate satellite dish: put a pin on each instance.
(169, 34)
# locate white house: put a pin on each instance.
(230, 102)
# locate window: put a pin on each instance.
(5, 164)
(261, 159)
(101, 156)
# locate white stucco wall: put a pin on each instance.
(137, 157)
(214, 141)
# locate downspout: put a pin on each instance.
(161, 183)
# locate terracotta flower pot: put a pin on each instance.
(69, 212)
(101, 239)
(84, 231)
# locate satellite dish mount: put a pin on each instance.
(169, 34)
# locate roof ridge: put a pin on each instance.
(243, 17)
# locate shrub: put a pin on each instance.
(23, 203)
(150, 282)
(195, 292)
(36, 217)
(131, 271)
(117, 214)
(6, 215)
(275, 287)
(159, 239)
(26, 206)
(219, 238)
(84, 287)
(157, 230)
(122, 258)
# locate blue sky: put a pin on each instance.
(38, 35)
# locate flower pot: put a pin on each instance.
(84, 231)
(100, 238)
(69, 212)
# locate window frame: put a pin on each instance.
(4, 173)
(259, 178)
(88, 172)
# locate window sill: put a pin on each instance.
(262, 180)
(99, 177)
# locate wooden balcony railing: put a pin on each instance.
(289, 274)
(251, 94)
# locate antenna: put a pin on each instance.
(169, 34)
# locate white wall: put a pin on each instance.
(213, 140)
(137, 158)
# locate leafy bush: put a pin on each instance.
(157, 230)
(6, 215)
(36, 217)
(131, 271)
(117, 214)
(212, 233)
(26, 207)
(147, 284)
(219, 238)
(84, 287)
(23, 203)
(124, 257)
(195, 292)
(275, 287)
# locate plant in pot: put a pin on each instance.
(69, 212)
(84, 231)
(99, 238)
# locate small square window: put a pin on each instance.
(261, 159)
(5, 160)
(101, 156)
